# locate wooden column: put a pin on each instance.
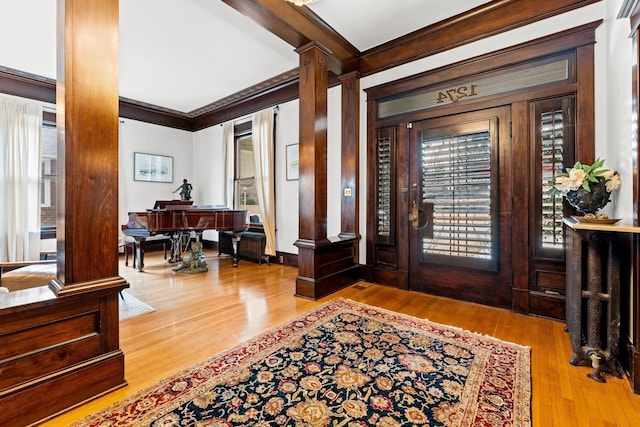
(350, 154)
(312, 184)
(314, 76)
(87, 122)
(65, 337)
(324, 264)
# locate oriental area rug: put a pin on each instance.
(343, 364)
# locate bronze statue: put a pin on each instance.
(195, 262)
(185, 190)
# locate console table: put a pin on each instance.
(597, 254)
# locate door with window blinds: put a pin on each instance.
(460, 209)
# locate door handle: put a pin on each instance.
(418, 216)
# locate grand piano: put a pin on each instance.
(177, 217)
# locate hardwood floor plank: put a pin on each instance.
(199, 315)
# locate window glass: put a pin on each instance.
(245, 196)
(456, 181)
(48, 177)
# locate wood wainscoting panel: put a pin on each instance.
(56, 352)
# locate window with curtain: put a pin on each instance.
(244, 188)
(20, 142)
(249, 171)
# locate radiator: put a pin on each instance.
(251, 246)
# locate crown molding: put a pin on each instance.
(298, 26)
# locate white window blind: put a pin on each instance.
(456, 179)
(551, 132)
(384, 187)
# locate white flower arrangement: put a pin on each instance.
(580, 176)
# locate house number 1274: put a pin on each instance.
(457, 93)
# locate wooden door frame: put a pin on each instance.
(488, 287)
(577, 42)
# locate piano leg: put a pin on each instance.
(139, 254)
(176, 247)
(235, 238)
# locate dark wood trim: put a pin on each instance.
(521, 261)
(313, 143)
(576, 45)
(252, 101)
(350, 170)
(585, 105)
(484, 21)
(66, 337)
(135, 110)
(312, 225)
(65, 352)
(25, 85)
(555, 43)
(298, 26)
(326, 267)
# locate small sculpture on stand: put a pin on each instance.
(185, 190)
(195, 262)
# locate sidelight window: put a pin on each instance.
(554, 151)
(551, 140)
(385, 186)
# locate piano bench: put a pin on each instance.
(130, 247)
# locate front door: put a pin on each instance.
(460, 206)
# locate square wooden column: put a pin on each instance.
(314, 76)
(312, 184)
(76, 355)
(87, 122)
(350, 154)
(324, 264)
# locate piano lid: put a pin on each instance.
(172, 204)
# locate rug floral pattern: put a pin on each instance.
(345, 364)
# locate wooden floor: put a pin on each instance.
(198, 315)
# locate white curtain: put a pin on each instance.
(228, 145)
(262, 135)
(20, 139)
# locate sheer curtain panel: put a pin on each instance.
(20, 139)
(263, 162)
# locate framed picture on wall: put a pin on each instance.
(293, 162)
(152, 167)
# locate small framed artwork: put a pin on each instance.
(152, 167)
(293, 162)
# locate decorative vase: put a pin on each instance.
(588, 202)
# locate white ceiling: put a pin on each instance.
(185, 54)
